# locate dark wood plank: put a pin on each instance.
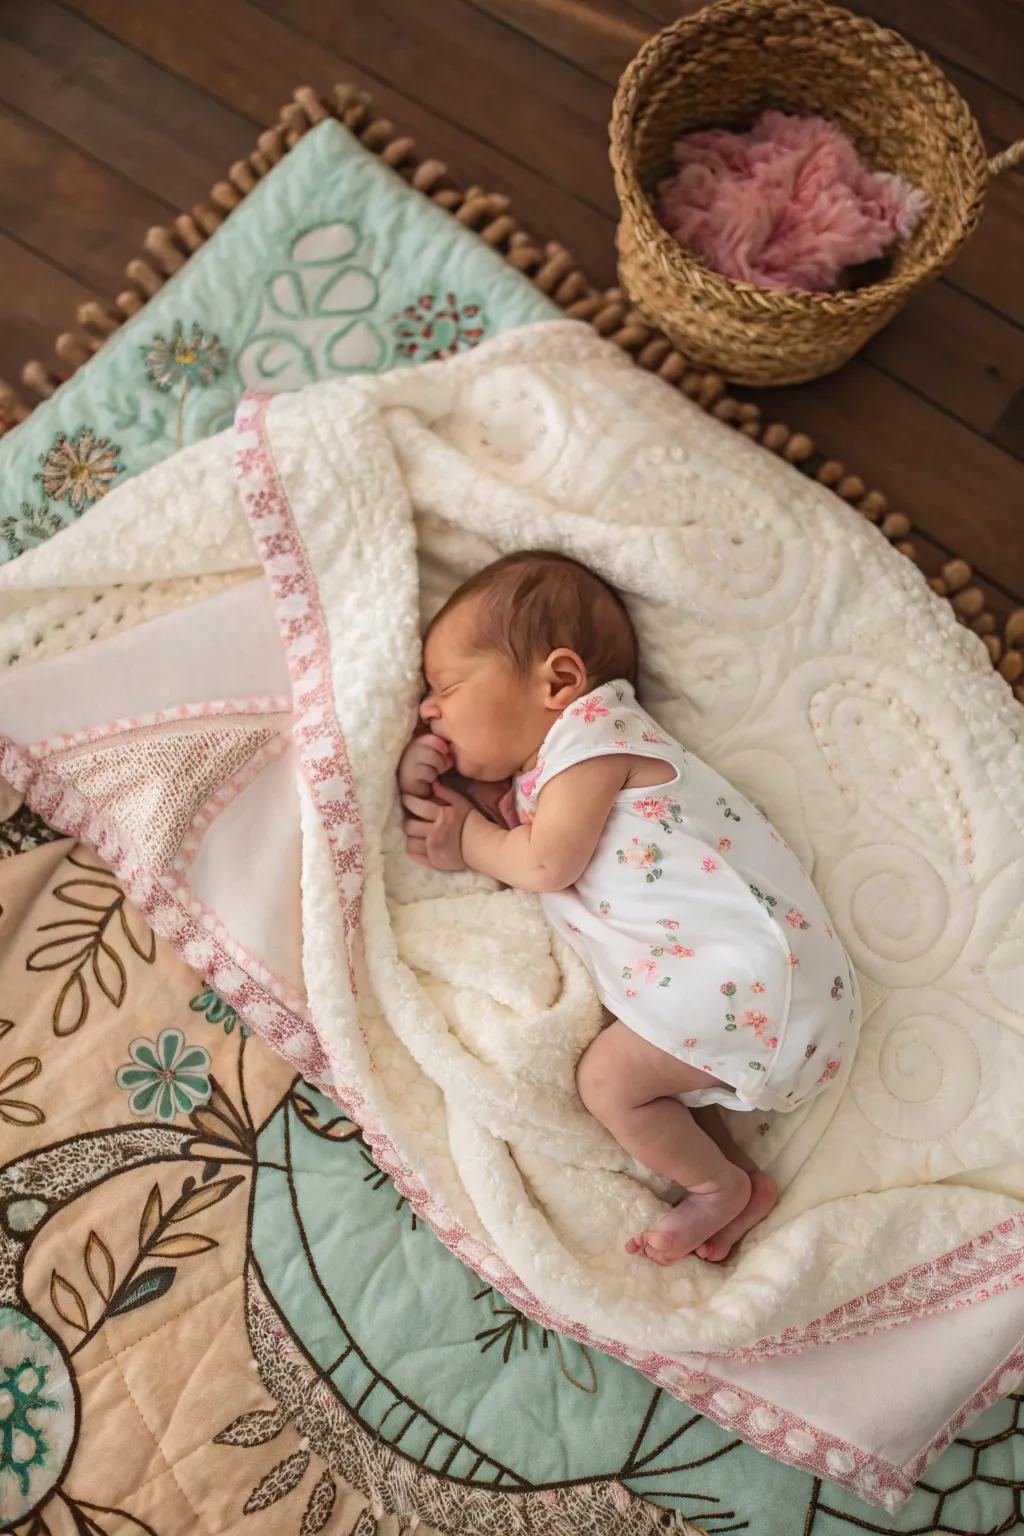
(451, 58)
(599, 37)
(984, 36)
(955, 352)
(251, 62)
(40, 302)
(1009, 432)
(160, 132)
(990, 264)
(68, 207)
(962, 491)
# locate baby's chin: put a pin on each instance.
(483, 773)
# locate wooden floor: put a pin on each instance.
(115, 115)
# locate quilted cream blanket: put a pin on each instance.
(213, 673)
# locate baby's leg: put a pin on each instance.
(630, 1086)
(763, 1190)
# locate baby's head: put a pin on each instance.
(511, 648)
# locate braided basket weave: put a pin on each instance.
(720, 68)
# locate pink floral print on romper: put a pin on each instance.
(664, 809)
(528, 782)
(589, 710)
(641, 856)
(644, 970)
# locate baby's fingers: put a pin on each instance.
(422, 810)
(435, 743)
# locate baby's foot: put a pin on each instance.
(697, 1217)
(763, 1195)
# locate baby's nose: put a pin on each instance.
(430, 709)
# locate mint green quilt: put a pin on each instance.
(333, 265)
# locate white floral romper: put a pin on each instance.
(700, 928)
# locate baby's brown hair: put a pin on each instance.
(537, 600)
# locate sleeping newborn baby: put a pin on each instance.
(702, 933)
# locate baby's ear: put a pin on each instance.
(565, 677)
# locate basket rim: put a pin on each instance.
(631, 193)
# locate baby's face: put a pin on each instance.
(493, 718)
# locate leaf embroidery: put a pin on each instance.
(183, 1245)
(145, 1288)
(152, 1215)
(254, 1428)
(96, 902)
(278, 1481)
(67, 1302)
(99, 1266)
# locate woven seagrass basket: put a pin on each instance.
(720, 68)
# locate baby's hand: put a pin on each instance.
(423, 761)
(433, 833)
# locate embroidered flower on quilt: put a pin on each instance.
(185, 360)
(79, 469)
(194, 359)
(165, 1077)
(433, 327)
(32, 526)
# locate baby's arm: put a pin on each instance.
(553, 851)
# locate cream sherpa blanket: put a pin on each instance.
(781, 639)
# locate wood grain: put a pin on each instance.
(47, 299)
(64, 204)
(955, 486)
(153, 128)
(251, 62)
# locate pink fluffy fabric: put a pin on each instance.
(787, 205)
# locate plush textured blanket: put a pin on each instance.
(233, 760)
